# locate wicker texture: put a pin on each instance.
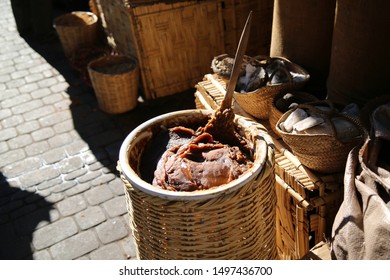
(307, 202)
(258, 103)
(115, 92)
(275, 114)
(75, 30)
(320, 152)
(234, 221)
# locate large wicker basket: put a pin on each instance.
(77, 29)
(258, 103)
(323, 153)
(116, 91)
(232, 221)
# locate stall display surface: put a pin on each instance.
(307, 202)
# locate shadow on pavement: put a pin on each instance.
(21, 213)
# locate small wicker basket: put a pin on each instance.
(275, 114)
(76, 29)
(231, 221)
(323, 153)
(257, 103)
(115, 80)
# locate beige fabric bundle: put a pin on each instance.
(361, 229)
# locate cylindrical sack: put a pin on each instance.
(302, 32)
(359, 67)
(361, 229)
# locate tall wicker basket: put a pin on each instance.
(232, 221)
(116, 89)
(77, 29)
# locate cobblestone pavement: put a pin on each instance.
(60, 194)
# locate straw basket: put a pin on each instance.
(323, 153)
(76, 29)
(257, 103)
(115, 81)
(275, 114)
(232, 221)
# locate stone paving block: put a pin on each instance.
(63, 186)
(20, 141)
(19, 74)
(27, 127)
(42, 255)
(75, 246)
(5, 113)
(53, 119)
(48, 184)
(54, 155)
(40, 93)
(53, 233)
(117, 187)
(30, 78)
(5, 78)
(23, 210)
(103, 179)
(16, 100)
(112, 230)
(89, 176)
(104, 138)
(3, 147)
(90, 217)
(38, 176)
(70, 164)
(129, 246)
(116, 206)
(15, 83)
(79, 188)
(53, 98)
(43, 134)
(38, 113)
(108, 252)
(75, 174)
(8, 133)
(60, 140)
(11, 157)
(9, 93)
(52, 198)
(28, 88)
(47, 83)
(98, 195)
(27, 106)
(12, 121)
(72, 205)
(60, 87)
(77, 147)
(64, 126)
(23, 166)
(37, 148)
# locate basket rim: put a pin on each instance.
(55, 23)
(333, 137)
(131, 60)
(140, 184)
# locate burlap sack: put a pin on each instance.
(361, 229)
(302, 32)
(359, 69)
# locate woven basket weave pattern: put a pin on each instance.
(258, 103)
(74, 36)
(236, 224)
(115, 93)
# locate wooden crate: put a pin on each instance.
(235, 13)
(306, 202)
(174, 41)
